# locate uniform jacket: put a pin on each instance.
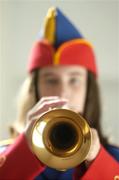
(18, 162)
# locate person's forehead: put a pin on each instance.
(71, 70)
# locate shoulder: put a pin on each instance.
(113, 150)
(4, 144)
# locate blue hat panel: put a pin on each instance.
(65, 30)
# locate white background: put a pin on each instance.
(20, 23)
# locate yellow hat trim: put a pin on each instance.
(50, 25)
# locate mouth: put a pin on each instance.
(74, 108)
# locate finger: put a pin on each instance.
(45, 107)
(43, 100)
(51, 98)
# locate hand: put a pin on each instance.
(95, 147)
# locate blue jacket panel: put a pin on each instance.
(114, 151)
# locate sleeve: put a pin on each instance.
(18, 162)
(103, 167)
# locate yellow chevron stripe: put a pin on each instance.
(6, 142)
(50, 25)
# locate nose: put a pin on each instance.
(63, 90)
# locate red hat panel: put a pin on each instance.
(76, 52)
(41, 55)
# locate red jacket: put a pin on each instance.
(18, 162)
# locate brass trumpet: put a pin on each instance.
(61, 139)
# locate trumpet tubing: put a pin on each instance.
(61, 139)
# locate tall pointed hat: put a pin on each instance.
(61, 44)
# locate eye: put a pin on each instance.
(51, 81)
(75, 81)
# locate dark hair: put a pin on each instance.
(92, 110)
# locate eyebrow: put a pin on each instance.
(75, 73)
(47, 74)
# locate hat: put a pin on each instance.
(61, 44)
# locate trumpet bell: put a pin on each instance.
(61, 139)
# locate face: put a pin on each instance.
(69, 82)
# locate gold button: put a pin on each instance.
(2, 160)
(116, 177)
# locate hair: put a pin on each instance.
(29, 96)
(92, 109)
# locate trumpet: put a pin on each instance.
(61, 139)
